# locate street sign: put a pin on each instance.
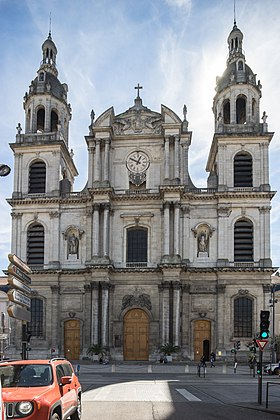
(19, 263)
(261, 344)
(19, 274)
(18, 312)
(13, 281)
(18, 297)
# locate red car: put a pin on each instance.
(40, 390)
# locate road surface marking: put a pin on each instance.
(186, 394)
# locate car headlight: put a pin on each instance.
(24, 408)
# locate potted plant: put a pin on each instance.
(167, 349)
(95, 351)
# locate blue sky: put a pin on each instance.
(173, 48)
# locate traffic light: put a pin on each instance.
(264, 324)
(258, 368)
(237, 345)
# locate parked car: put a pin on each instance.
(272, 369)
(40, 390)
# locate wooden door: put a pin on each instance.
(201, 339)
(72, 339)
(136, 335)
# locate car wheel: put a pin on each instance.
(276, 371)
(55, 416)
(78, 413)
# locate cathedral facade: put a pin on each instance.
(141, 256)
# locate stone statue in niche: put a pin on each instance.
(202, 244)
(72, 245)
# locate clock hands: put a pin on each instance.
(136, 161)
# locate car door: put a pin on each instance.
(65, 391)
(68, 371)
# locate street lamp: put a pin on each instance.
(274, 288)
(4, 169)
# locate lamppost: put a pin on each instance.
(4, 169)
(274, 288)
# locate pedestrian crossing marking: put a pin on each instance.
(188, 395)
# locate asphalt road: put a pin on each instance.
(151, 392)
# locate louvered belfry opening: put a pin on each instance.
(243, 170)
(37, 177)
(243, 241)
(35, 244)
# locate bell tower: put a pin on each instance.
(239, 152)
(43, 162)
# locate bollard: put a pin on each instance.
(187, 369)
(113, 368)
(150, 369)
(224, 368)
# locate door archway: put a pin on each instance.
(136, 335)
(202, 339)
(72, 339)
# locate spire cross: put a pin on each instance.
(138, 87)
(50, 25)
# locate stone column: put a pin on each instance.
(106, 160)
(165, 312)
(166, 228)
(91, 165)
(176, 313)
(17, 247)
(94, 336)
(177, 228)
(89, 232)
(97, 161)
(95, 230)
(55, 323)
(221, 312)
(265, 232)
(18, 173)
(106, 230)
(176, 158)
(87, 317)
(185, 163)
(105, 314)
(166, 158)
(223, 215)
(223, 168)
(185, 243)
(55, 240)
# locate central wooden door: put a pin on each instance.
(136, 335)
(72, 339)
(202, 339)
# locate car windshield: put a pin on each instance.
(25, 375)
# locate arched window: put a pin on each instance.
(137, 245)
(243, 317)
(241, 110)
(226, 112)
(37, 316)
(243, 170)
(243, 241)
(54, 121)
(37, 177)
(240, 65)
(41, 119)
(253, 107)
(35, 244)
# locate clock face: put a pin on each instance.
(137, 162)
